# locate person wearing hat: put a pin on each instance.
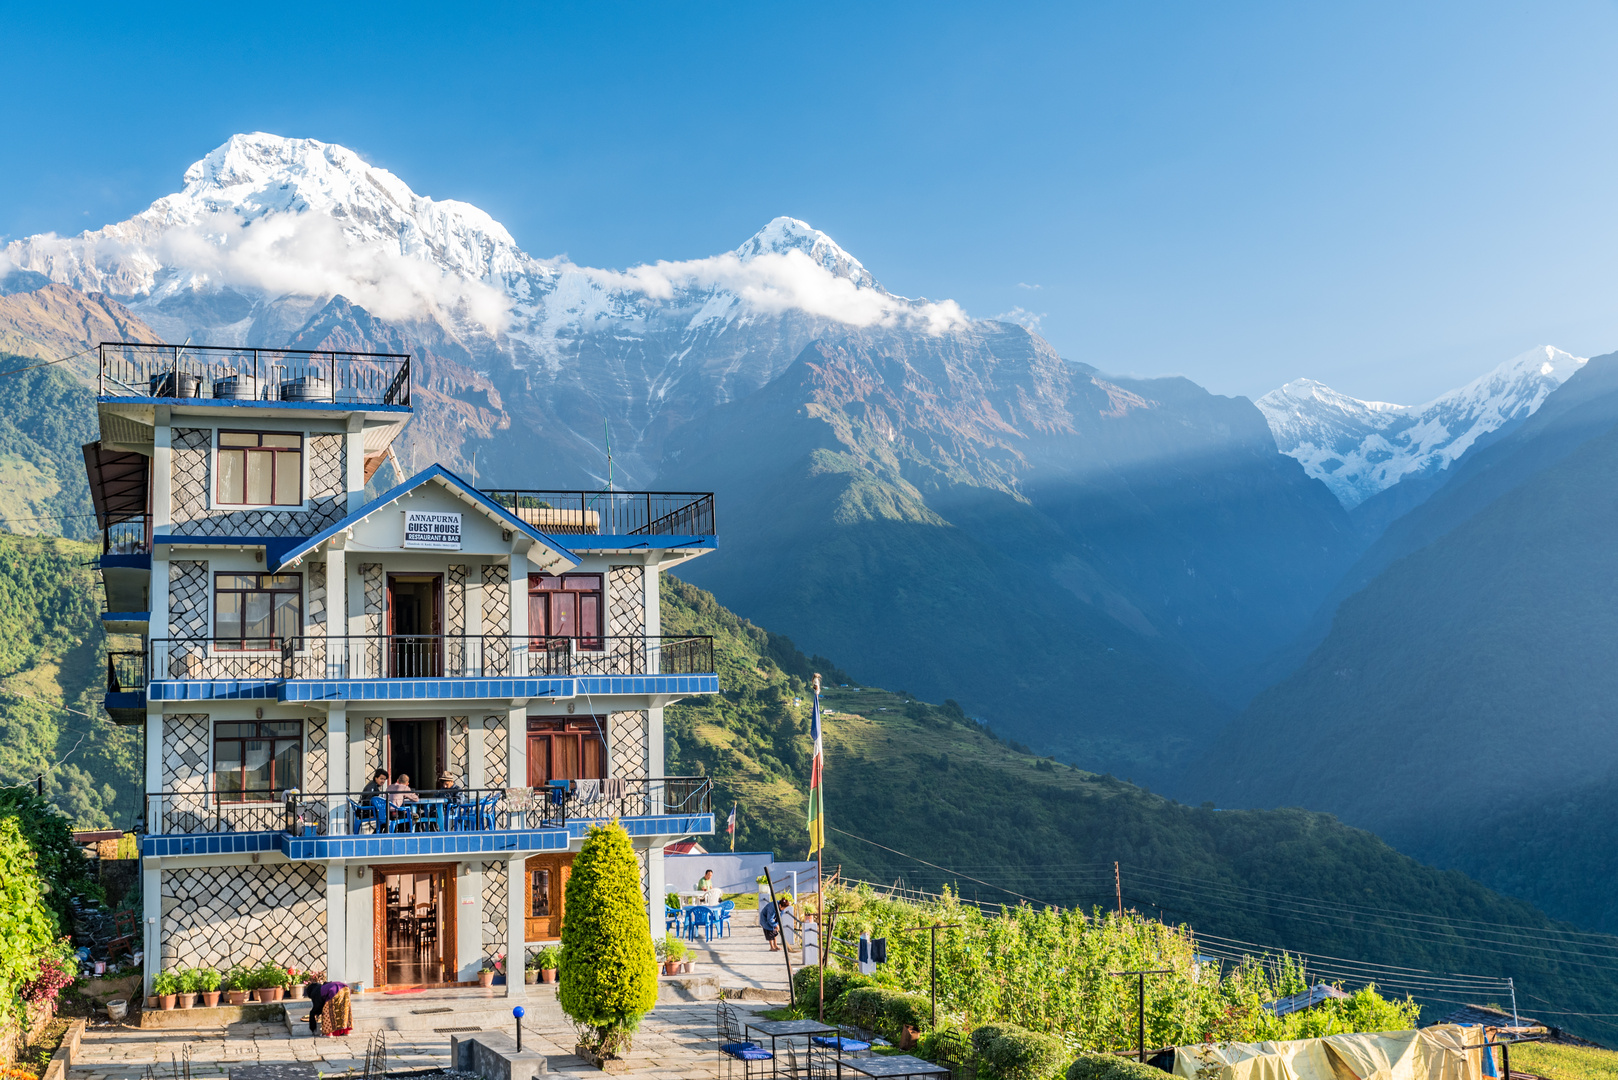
(449, 786)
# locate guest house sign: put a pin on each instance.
(432, 529)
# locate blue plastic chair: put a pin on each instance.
(725, 908)
(700, 917)
(388, 817)
(485, 811)
(360, 812)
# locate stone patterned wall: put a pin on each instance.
(494, 909)
(216, 916)
(185, 752)
(626, 601)
(459, 740)
(496, 619)
(494, 751)
(190, 603)
(643, 860)
(192, 480)
(316, 754)
(371, 575)
(315, 617)
(455, 600)
(630, 742)
(375, 726)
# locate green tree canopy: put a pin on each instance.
(608, 977)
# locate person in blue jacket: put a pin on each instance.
(770, 919)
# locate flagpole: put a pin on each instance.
(820, 871)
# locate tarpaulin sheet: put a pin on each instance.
(1434, 1053)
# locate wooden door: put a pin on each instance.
(545, 887)
(440, 955)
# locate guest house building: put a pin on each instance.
(299, 630)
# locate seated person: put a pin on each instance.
(400, 791)
(379, 783)
(449, 787)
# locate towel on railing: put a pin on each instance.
(586, 792)
(612, 787)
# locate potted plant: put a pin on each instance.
(530, 971)
(238, 984)
(166, 986)
(187, 987)
(486, 974)
(549, 958)
(207, 982)
(268, 981)
(674, 953)
(312, 981)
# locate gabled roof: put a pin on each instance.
(448, 480)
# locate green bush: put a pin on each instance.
(206, 979)
(1111, 1067)
(608, 978)
(882, 1009)
(187, 978)
(806, 986)
(165, 983)
(239, 977)
(1014, 1053)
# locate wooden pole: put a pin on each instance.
(1118, 884)
(781, 928)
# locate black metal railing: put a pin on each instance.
(358, 813)
(133, 369)
(132, 537)
(636, 796)
(207, 811)
(126, 671)
(611, 513)
(427, 656)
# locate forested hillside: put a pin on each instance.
(46, 415)
(927, 781)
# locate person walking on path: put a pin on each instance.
(770, 919)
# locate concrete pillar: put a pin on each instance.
(154, 770)
(152, 903)
(357, 765)
(337, 652)
(469, 921)
(474, 750)
(651, 586)
(355, 463)
(337, 768)
(517, 744)
(656, 872)
(516, 929)
(336, 922)
(162, 476)
(360, 966)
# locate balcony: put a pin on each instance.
(429, 667)
(246, 376)
(126, 686)
(360, 825)
(611, 513)
(352, 824)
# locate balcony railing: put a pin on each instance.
(132, 369)
(635, 797)
(126, 671)
(427, 656)
(611, 513)
(132, 537)
(348, 813)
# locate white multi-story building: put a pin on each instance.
(299, 636)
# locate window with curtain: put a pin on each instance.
(257, 760)
(567, 605)
(256, 611)
(260, 468)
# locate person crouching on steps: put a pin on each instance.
(770, 919)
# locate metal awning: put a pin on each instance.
(118, 483)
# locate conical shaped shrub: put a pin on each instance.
(608, 975)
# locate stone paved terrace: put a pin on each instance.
(676, 1041)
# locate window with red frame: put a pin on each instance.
(256, 611)
(567, 605)
(565, 750)
(260, 468)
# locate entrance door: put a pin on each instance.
(414, 925)
(416, 749)
(415, 626)
(546, 885)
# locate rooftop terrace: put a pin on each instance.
(232, 374)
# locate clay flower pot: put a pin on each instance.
(210, 998)
(671, 967)
(530, 976)
(268, 993)
(236, 997)
(188, 1001)
(485, 978)
(547, 975)
(166, 1001)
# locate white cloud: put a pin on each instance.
(1025, 285)
(1022, 317)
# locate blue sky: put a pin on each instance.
(1385, 197)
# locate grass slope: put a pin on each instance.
(53, 659)
(45, 417)
(928, 781)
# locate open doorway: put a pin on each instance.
(415, 626)
(414, 925)
(416, 748)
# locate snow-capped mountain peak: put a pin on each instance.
(786, 234)
(1358, 448)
